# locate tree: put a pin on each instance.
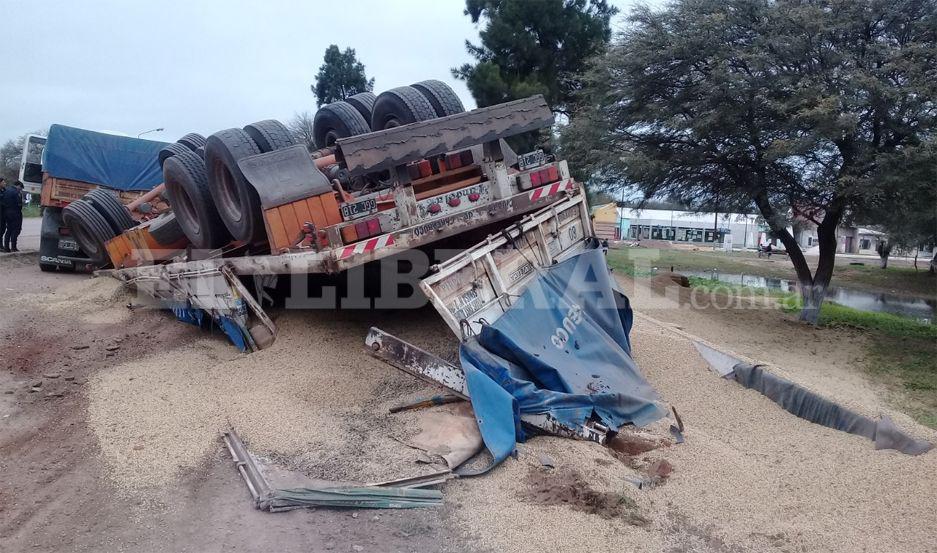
(808, 110)
(301, 127)
(341, 76)
(10, 154)
(909, 216)
(533, 47)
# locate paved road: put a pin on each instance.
(29, 237)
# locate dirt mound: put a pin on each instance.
(570, 489)
(670, 279)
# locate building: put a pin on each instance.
(605, 221)
(689, 226)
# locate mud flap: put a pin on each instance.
(284, 176)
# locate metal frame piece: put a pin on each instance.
(391, 148)
(481, 282)
(426, 366)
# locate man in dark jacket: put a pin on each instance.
(13, 213)
(3, 218)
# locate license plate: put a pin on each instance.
(69, 245)
(359, 209)
(531, 160)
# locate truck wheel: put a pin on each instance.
(364, 103)
(192, 141)
(236, 199)
(337, 120)
(187, 187)
(441, 96)
(171, 150)
(166, 230)
(400, 106)
(110, 207)
(91, 229)
(270, 135)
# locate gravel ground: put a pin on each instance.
(750, 476)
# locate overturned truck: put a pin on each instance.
(365, 197)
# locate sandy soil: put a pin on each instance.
(119, 448)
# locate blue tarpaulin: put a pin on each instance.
(117, 162)
(561, 349)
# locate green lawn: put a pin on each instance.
(32, 210)
(897, 279)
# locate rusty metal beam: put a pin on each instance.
(383, 150)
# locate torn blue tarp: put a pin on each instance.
(561, 349)
(118, 162)
(195, 316)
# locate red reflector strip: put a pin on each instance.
(367, 246)
(546, 191)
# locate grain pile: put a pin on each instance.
(92, 300)
(314, 401)
(750, 477)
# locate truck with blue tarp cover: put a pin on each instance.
(69, 163)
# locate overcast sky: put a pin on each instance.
(203, 65)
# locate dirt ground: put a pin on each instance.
(118, 448)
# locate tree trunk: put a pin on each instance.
(933, 263)
(814, 295)
(884, 250)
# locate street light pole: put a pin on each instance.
(149, 131)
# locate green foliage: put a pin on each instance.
(811, 105)
(10, 154)
(811, 110)
(341, 76)
(533, 47)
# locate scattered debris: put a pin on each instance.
(630, 442)
(273, 500)
(660, 468)
(809, 405)
(80, 347)
(570, 489)
(449, 432)
(677, 430)
(547, 461)
(423, 481)
(427, 402)
(51, 375)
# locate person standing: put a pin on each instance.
(3, 219)
(13, 213)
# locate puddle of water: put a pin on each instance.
(917, 308)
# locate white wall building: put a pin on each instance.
(689, 226)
